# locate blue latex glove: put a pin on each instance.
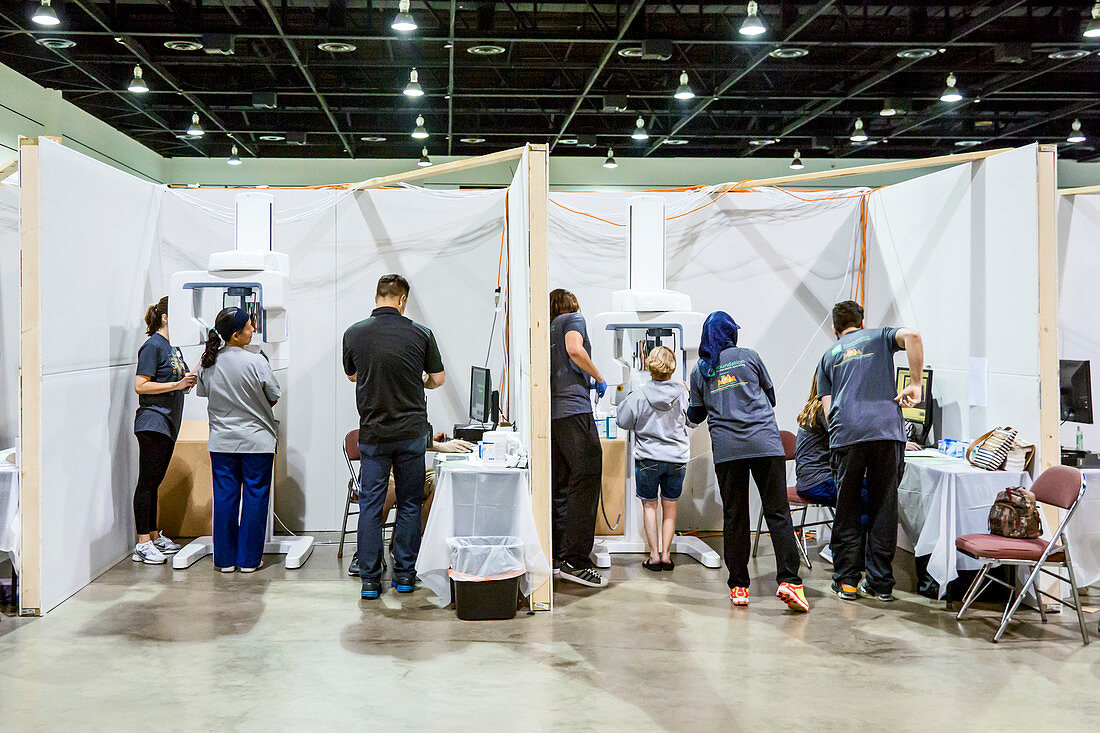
(601, 388)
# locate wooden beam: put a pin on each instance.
(30, 382)
(436, 170)
(1079, 189)
(1049, 396)
(9, 167)
(538, 193)
(863, 170)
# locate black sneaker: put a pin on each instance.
(583, 576)
(404, 583)
(371, 589)
(845, 592)
(353, 566)
(865, 591)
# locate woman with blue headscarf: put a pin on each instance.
(242, 391)
(731, 390)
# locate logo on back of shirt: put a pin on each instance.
(725, 381)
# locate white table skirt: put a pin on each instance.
(477, 501)
(1083, 532)
(940, 499)
(9, 512)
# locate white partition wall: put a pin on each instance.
(1079, 297)
(9, 314)
(954, 254)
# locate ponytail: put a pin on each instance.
(213, 346)
(154, 314)
(227, 324)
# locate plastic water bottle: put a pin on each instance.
(1080, 439)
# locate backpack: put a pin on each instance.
(1015, 514)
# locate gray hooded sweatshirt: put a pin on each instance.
(657, 413)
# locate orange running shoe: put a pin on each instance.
(793, 596)
(739, 596)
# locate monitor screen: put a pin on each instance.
(922, 411)
(1076, 391)
(481, 387)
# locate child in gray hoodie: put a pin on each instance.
(657, 414)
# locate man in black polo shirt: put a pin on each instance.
(391, 359)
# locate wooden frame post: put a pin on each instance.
(538, 194)
(1049, 397)
(30, 382)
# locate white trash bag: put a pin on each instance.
(486, 558)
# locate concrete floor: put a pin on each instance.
(146, 648)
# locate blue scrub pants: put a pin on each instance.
(242, 486)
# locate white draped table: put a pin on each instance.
(9, 512)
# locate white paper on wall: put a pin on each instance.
(979, 381)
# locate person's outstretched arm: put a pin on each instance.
(574, 346)
(910, 340)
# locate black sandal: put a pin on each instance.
(668, 565)
(655, 567)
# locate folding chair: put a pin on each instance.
(1060, 486)
(797, 503)
(351, 453)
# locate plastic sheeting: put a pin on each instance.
(486, 558)
(1079, 300)
(9, 315)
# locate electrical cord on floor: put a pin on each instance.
(603, 511)
(287, 529)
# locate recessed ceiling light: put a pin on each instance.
(788, 52)
(183, 45)
(1068, 54)
(916, 53)
(373, 139)
(763, 141)
(55, 42)
(675, 141)
(473, 140)
(568, 141)
(273, 138)
(630, 52)
(487, 49)
(336, 46)
(967, 143)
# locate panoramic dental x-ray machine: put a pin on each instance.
(646, 315)
(254, 277)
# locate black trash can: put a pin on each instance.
(485, 574)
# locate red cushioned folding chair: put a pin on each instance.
(1060, 486)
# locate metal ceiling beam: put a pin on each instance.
(624, 26)
(984, 19)
(809, 17)
(266, 6)
(106, 84)
(451, 80)
(134, 47)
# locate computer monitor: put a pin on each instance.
(481, 388)
(1076, 389)
(918, 418)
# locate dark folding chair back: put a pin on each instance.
(351, 445)
(788, 439)
(1058, 486)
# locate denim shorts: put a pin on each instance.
(651, 476)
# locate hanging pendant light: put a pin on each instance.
(752, 25)
(1092, 30)
(858, 135)
(888, 108)
(137, 84)
(1075, 134)
(195, 130)
(45, 15)
(413, 88)
(234, 159)
(609, 162)
(951, 92)
(403, 21)
(796, 163)
(684, 91)
(424, 161)
(421, 132)
(639, 130)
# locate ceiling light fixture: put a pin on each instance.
(1068, 54)
(916, 54)
(475, 140)
(639, 130)
(195, 130)
(858, 135)
(183, 45)
(413, 88)
(486, 49)
(421, 132)
(1075, 134)
(137, 84)
(796, 163)
(45, 15)
(631, 52)
(273, 138)
(55, 43)
(888, 108)
(752, 25)
(1092, 30)
(424, 161)
(403, 21)
(609, 162)
(788, 52)
(967, 143)
(684, 91)
(336, 46)
(675, 141)
(371, 139)
(951, 92)
(234, 159)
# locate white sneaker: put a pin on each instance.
(230, 569)
(166, 545)
(148, 553)
(252, 570)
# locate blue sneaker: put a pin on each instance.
(371, 589)
(404, 583)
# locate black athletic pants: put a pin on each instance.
(854, 550)
(154, 453)
(576, 470)
(770, 476)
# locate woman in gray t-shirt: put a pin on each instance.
(242, 390)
